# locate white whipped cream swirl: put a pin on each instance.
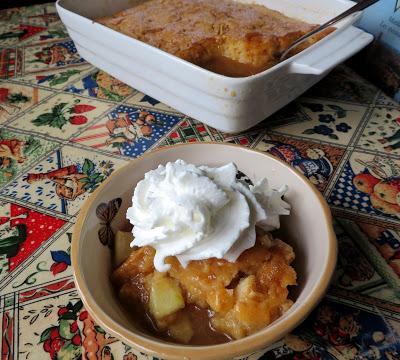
(197, 213)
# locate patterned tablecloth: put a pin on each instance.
(62, 120)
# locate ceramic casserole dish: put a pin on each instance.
(226, 103)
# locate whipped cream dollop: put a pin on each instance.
(199, 212)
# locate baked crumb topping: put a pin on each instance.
(240, 297)
(212, 34)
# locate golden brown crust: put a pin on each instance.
(139, 262)
(202, 30)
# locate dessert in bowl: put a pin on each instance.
(181, 273)
(206, 269)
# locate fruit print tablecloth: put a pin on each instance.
(66, 126)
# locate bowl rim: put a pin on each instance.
(245, 346)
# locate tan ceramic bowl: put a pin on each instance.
(308, 229)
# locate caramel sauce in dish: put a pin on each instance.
(228, 67)
(208, 32)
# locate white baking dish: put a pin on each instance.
(228, 104)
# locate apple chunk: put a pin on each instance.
(181, 329)
(165, 297)
(122, 247)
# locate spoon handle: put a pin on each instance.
(358, 7)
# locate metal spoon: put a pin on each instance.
(358, 7)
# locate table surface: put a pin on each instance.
(59, 115)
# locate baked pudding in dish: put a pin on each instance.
(205, 267)
(225, 36)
